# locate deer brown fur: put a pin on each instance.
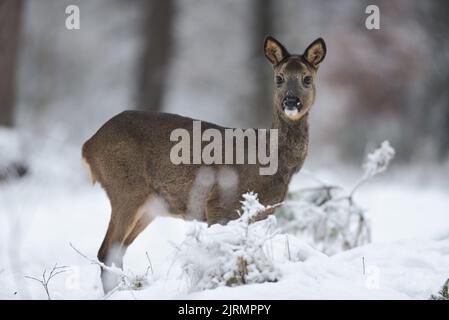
(130, 157)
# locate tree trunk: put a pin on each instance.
(441, 44)
(262, 100)
(10, 16)
(432, 114)
(153, 73)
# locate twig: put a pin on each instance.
(361, 182)
(323, 187)
(46, 280)
(363, 264)
(114, 270)
(314, 177)
(150, 266)
(287, 243)
(360, 228)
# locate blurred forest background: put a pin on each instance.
(204, 59)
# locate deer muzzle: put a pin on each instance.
(291, 105)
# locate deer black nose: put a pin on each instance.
(291, 102)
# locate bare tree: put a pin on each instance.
(155, 60)
(262, 11)
(10, 17)
(435, 101)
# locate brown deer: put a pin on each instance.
(130, 157)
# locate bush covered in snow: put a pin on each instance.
(325, 218)
(443, 294)
(328, 217)
(231, 254)
(377, 162)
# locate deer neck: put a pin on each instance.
(293, 144)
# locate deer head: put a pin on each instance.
(294, 77)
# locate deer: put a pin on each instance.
(129, 157)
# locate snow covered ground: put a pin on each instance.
(43, 213)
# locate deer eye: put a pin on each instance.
(279, 80)
(307, 80)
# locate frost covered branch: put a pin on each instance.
(113, 269)
(326, 216)
(127, 282)
(375, 163)
(150, 266)
(45, 280)
(233, 254)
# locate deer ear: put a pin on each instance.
(274, 50)
(315, 52)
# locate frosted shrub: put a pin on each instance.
(443, 294)
(327, 217)
(232, 254)
(377, 162)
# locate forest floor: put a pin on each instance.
(40, 215)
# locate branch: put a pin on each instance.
(361, 182)
(112, 269)
(323, 187)
(126, 281)
(46, 280)
(311, 175)
(150, 266)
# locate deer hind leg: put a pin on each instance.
(152, 207)
(124, 218)
(141, 224)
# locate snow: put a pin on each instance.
(232, 254)
(41, 214)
